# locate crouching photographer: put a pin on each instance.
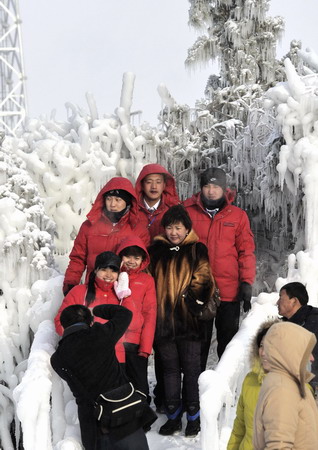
(111, 412)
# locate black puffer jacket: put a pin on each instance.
(307, 317)
(88, 354)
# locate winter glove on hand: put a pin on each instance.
(194, 305)
(122, 286)
(108, 311)
(245, 295)
(67, 288)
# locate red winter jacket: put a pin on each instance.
(105, 294)
(98, 234)
(142, 301)
(169, 198)
(230, 243)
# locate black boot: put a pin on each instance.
(174, 414)
(193, 427)
(193, 415)
(171, 427)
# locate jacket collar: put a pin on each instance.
(300, 315)
(190, 239)
(227, 208)
(103, 285)
(75, 328)
(153, 208)
(161, 207)
(96, 211)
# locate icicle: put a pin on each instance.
(127, 94)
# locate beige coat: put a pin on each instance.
(286, 415)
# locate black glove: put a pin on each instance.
(109, 312)
(244, 295)
(67, 288)
(194, 305)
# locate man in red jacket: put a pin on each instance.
(225, 230)
(156, 192)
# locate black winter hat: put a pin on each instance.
(107, 259)
(120, 193)
(214, 175)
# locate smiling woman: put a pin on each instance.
(107, 274)
(184, 284)
(100, 289)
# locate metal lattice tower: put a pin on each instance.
(12, 76)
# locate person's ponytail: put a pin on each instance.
(91, 290)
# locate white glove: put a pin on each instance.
(122, 286)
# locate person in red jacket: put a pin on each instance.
(143, 304)
(114, 215)
(99, 290)
(156, 192)
(225, 230)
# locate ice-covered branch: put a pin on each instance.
(35, 389)
(25, 256)
(297, 108)
(70, 162)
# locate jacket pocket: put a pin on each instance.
(228, 230)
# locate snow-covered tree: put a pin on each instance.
(26, 244)
(238, 134)
(241, 36)
(70, 161)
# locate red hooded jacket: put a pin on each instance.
(169, 198)
(105, 294)
(230, 243)
(98, 234)
(142, 301)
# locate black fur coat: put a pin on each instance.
(178, 270)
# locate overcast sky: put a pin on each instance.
(75, 46)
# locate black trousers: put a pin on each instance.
(88, 424)
(177, 357)
(159, 390)
(205, 344)
(136, 368)
(227, 324)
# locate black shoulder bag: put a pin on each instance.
(118, 406)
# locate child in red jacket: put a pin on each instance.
(142, 302)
